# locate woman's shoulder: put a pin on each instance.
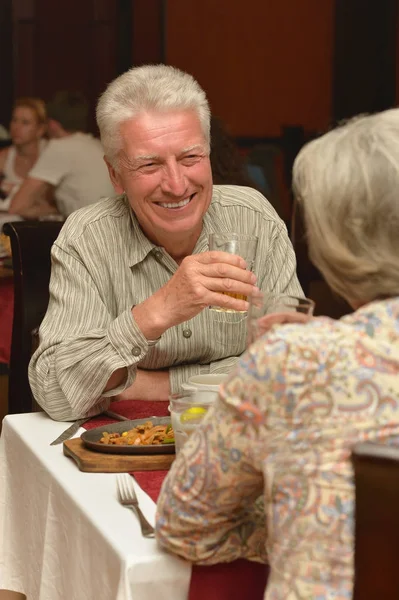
(318, 328)
(325, 344)
(304, 344)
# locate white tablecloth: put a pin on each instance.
(63, 534)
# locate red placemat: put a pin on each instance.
(238, 580)
(151, 482)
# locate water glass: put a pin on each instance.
(187, 411)
(234, 243)
(261, 305)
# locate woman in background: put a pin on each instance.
(27, 128)
(286, 420)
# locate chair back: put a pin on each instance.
(31, 243)
(376, 469)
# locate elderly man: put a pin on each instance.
(133, 277)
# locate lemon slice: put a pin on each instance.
(194, 413)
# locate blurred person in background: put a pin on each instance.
(27, 128)
(286, 420)
(4, 135)
(72, 165)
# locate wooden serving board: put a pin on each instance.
(91, 461)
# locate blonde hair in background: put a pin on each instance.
(348, 182)
(147, 88)
(37, 105)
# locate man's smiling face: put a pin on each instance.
(164, 169)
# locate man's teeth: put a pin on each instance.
(176, 205)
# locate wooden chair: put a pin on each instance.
(31, 243)
(376, 469)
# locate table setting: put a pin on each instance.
(52, 539)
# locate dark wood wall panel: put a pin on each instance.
(101, 9)
(103, 56)
(397, 57)
(24, 9)
(24, 58)
(6, 61)
(148, 31)
(64, 45)
(365, 52)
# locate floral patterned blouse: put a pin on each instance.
(268, 475)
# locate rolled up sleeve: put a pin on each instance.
(81, 345)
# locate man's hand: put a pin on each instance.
(200, 281)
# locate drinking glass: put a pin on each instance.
(234, 243)
(187, 411)
(261, 305)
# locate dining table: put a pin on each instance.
(64, 535)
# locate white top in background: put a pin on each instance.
(75, 166)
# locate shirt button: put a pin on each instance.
(136, 351)
(158, 254)
(187, 333)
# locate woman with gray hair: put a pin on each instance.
(286, 419)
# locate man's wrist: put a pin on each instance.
(149, 321)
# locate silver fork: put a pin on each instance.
(127, 497)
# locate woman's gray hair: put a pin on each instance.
(150, 87)
(348, 182)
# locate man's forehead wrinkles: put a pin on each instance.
(193, 147)
(157, 157)
(146, 157)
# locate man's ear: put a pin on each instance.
(114, 176)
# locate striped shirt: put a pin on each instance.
(103, 264)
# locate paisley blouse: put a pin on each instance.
(267, 476)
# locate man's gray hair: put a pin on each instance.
(147, 88)
(348, 181)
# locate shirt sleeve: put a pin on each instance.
(81, 345)
(52, 164)
(210, 509)
(280, 273)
